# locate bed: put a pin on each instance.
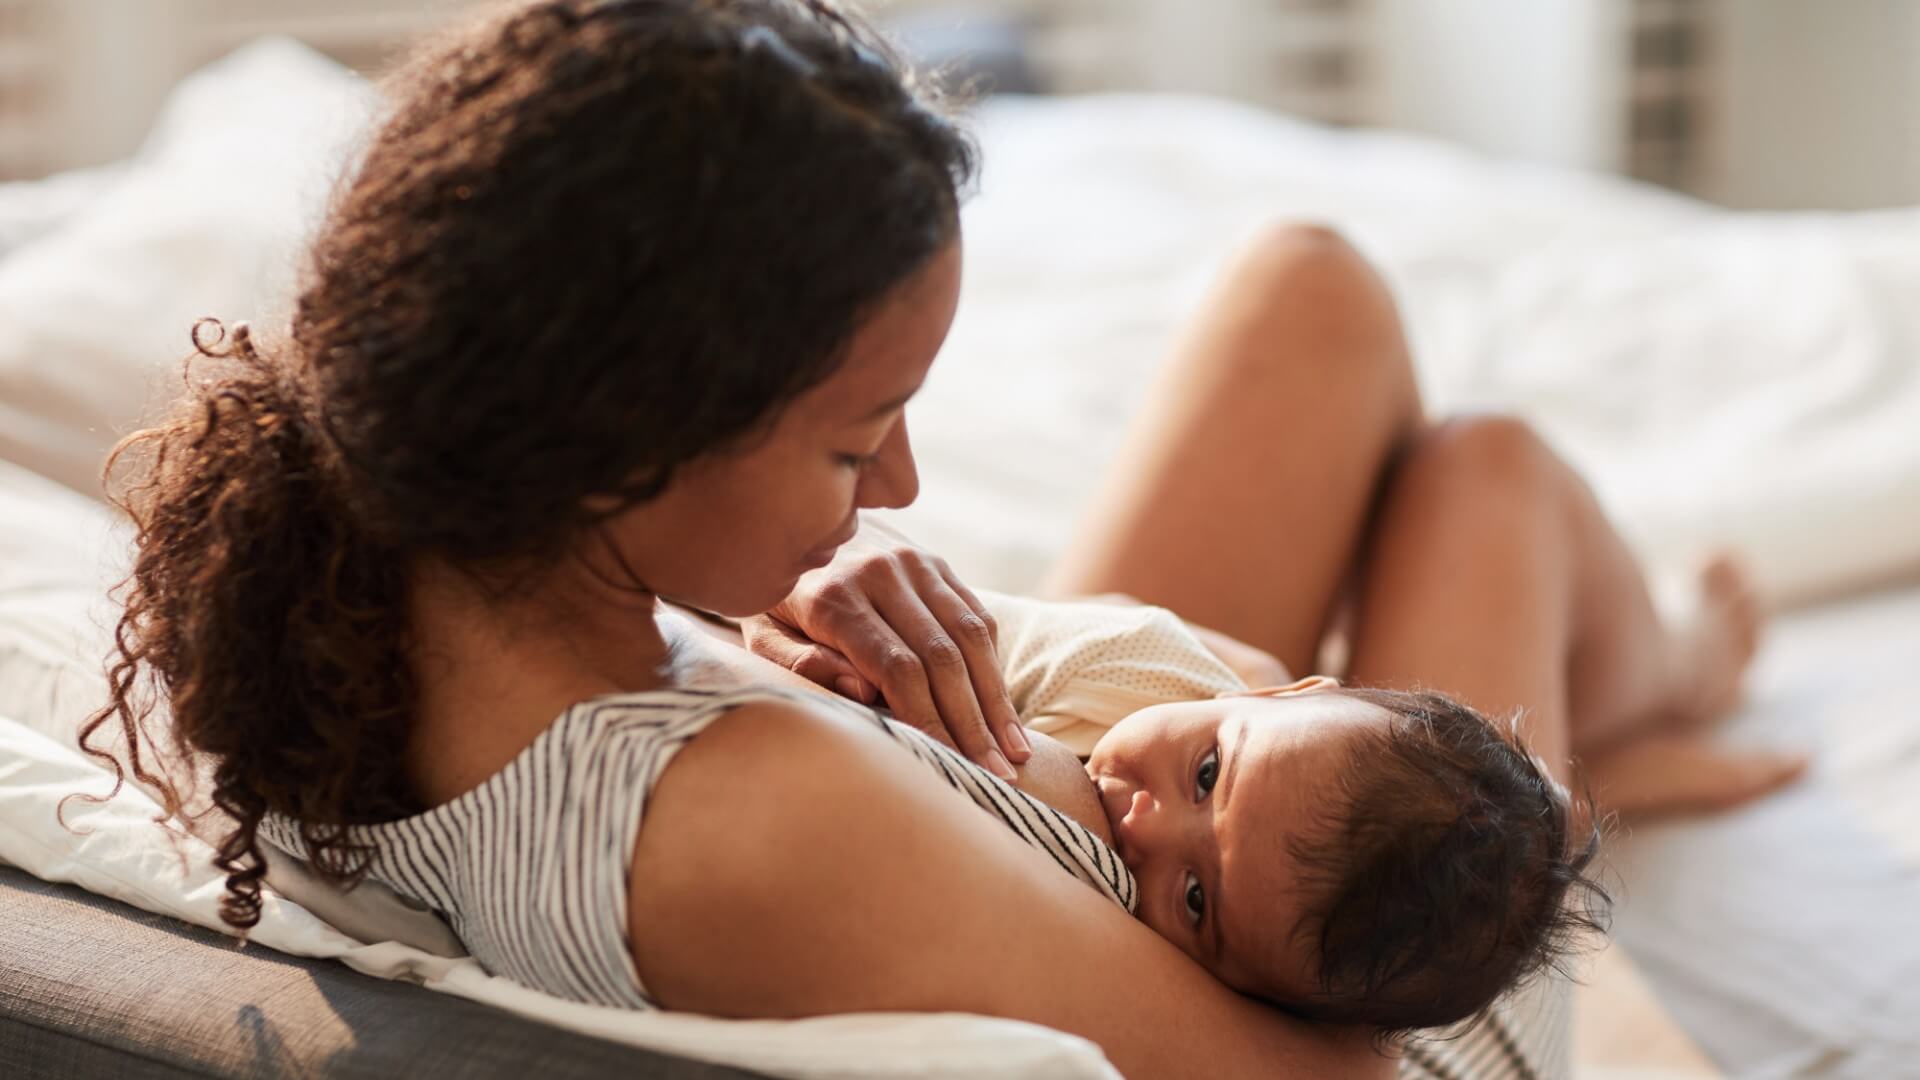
(1722, 378)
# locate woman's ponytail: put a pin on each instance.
(269, 622)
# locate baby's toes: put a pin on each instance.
(1729, 594)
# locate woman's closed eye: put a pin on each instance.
(856, 461)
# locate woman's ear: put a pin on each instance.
(1307, 685)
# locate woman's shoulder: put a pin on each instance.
(685, 712)
(638, 732)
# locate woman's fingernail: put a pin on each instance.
(1019, 739)
(998, 765)
(849, 687)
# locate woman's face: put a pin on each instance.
(734, 530)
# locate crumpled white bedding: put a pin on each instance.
(1721, 377)
(1751, 379)
(1744, 378)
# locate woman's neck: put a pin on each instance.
(492, 676)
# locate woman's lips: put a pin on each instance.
(823, 554)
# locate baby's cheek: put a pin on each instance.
(1144, 912)
(1178, 940)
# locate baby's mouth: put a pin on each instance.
(1116, 797)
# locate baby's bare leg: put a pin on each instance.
(1242, 494)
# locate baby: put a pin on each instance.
(1359, 856)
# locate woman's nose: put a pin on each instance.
(891, 481)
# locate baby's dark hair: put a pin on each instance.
(1448, 873)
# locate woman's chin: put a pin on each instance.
(738, 603)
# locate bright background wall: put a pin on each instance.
(1753, 103)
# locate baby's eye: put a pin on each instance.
(1209, 772)
(1196, 899)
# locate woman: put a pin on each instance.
(615, 324)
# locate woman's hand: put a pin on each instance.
(888, 620)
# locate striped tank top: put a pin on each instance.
(531, 867)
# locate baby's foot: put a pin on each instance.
(1715, 642)
(1678, 773)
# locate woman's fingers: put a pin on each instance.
(936, 664)
(905, 624)
(973, 602)
(776, 641)
(882, 655)
(978, 633)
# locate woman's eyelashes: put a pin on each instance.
(1207, 774)
(856, 461)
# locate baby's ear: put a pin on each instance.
(1307, 685)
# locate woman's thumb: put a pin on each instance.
(810, 660)
(830, 669)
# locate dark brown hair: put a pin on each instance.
(590, 241)
(1448, 873)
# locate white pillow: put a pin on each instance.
(207, 220)
(58, 552)
(55, 619)
(30, 209)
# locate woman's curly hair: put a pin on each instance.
(590, 241)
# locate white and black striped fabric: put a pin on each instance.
(1526, 1035)
(1078, 851)
(531, 867)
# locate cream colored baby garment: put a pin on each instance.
(1075, 668)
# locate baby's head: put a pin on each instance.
(1357, 856)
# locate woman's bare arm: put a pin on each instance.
(792, 864)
